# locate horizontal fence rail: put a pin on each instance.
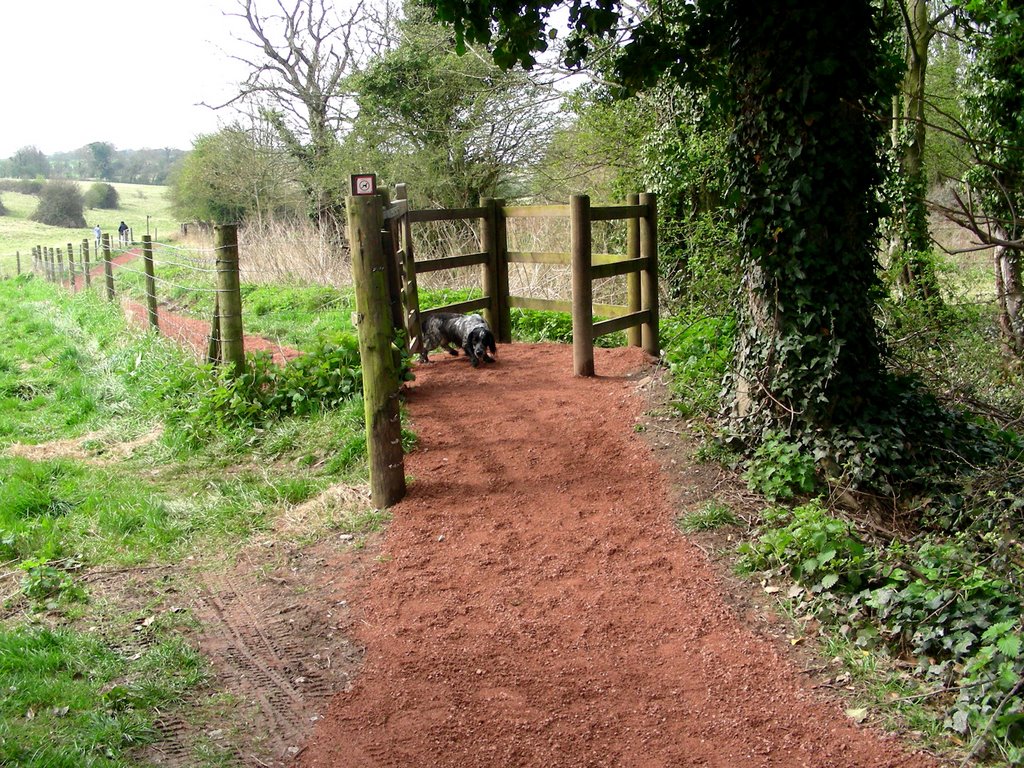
(638, 317)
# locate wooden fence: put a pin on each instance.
(639, 316)
(225, 342)
(385, 271)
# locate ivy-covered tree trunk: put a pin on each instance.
(805, 149)
(909, 239)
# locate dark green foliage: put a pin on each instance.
(60, 205)
(321, 379)
(953, 607)
(101, 195)
(3, 209)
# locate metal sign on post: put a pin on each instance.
(364, 184)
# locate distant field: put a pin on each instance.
(137, 201)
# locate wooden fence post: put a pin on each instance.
(229, 294)
(53, 265)
(504, 330)
(60, 266)
(380, 380)
(649, 275)
(489, 270)
(17, 256)
(71, 265)
(582, 287)
(147, 268)
(213, 350)
(634, 337)
(387, 243)
(410, 289)
(85, 262)
(108, 267)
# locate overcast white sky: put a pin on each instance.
(130, 72)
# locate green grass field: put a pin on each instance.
(137, 202)
(93, 476)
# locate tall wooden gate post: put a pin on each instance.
(147, 268)
(373, 322)
(229, 296)
(410, 289)
(389, 244)
(582, 289)
(634, 337)
(489, 270)
(504, 330)
(649, 275)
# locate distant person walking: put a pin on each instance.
(98, 233)
(122, 234)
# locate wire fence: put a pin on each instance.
(191, 294)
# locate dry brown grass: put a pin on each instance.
(295, 251)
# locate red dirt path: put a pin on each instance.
(535, 607)
(187, 331)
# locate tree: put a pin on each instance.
(909, 240)
(457, 128)
(994, 119)
(102, 195)
(803, 170)
(102, 159)
(234, 174)
(60, 205)
(29, 163)
(302, 54)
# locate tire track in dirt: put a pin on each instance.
(535, 607)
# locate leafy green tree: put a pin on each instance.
(102, 159)
(29, 163)
(456, 128)
(994, 114)
(102, 195)
(231, 175)
(803, 173)
(60, 205)
(909, 238)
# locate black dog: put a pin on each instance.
(450, 331)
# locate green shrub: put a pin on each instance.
(60, 205)
(3, 209)
(779, 469)
(697, 351)
(952, 608)
(23, 186)
(820, 551)
(320, 380)
(102, 195)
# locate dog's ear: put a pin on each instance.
(489, 340)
